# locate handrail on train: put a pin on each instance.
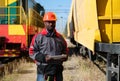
(12, 15)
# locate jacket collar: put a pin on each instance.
(45, 32)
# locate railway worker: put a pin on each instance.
(45, 44)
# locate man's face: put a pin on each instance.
(50, 25)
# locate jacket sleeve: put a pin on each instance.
(34, 52)
(65, 48)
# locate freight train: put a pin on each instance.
(95, 25)
(19, 21)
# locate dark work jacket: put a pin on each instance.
(44, 44)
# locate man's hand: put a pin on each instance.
(65, 57)
(47, 58)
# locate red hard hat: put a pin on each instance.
(49, 16)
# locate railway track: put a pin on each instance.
(10, 65)
(100, 61)
(78, 68)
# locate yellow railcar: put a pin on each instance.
(95, 24)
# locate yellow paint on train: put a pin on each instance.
(3, 2)
(11, 1)
(7, 2)
(109, 20)
(95, 21)
(16, 30)
(5, 55)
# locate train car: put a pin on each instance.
(95, 24)
(19, 21)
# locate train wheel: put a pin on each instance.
(83, 51)
(90, 55)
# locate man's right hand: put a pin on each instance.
(47, 58)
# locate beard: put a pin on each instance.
(50, 28)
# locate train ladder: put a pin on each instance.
(113, 73)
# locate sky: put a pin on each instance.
(61, 8)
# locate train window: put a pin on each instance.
(4, 20)
(14, 19)
(2, 10)
(3, 17)
(14, 10)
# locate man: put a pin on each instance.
(46, 44)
